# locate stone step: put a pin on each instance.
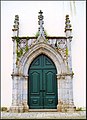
(42, 110)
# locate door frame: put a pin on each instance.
(31, 54)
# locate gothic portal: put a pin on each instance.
(42, 74)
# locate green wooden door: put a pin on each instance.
(42, 84)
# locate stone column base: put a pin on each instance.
(66, 108)
(19, 109)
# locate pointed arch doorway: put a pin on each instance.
(42, 84)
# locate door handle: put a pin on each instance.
(42, 90)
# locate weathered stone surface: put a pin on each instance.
(44, 115)
(59, 51)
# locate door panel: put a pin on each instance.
(50, 94)
(42, 84)
(47, 63)
(49, 81)
(50, 103)
(37, 63)
(35, 85)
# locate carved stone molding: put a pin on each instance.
(19, 75)
(63, 75)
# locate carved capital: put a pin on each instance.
(26, 77)
(63, 75)
(19, 75)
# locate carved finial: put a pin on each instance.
(16, 25)
(67, 23)
(41, 22)
(68, 29)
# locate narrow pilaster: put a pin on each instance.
(14, 91)
(25, 93)
(15, 34)
(16, 94)
(16, 82)
(19, 93)
(68, 32)
(65, 93)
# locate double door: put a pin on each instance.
(42, 84)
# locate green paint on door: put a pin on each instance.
(42, 84)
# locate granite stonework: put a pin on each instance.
(26, 49)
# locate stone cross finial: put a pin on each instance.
(41, 22)
(16, 25)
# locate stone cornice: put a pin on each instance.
(47, 37)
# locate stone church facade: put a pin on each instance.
(42, 77)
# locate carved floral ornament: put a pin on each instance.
(24, 44)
